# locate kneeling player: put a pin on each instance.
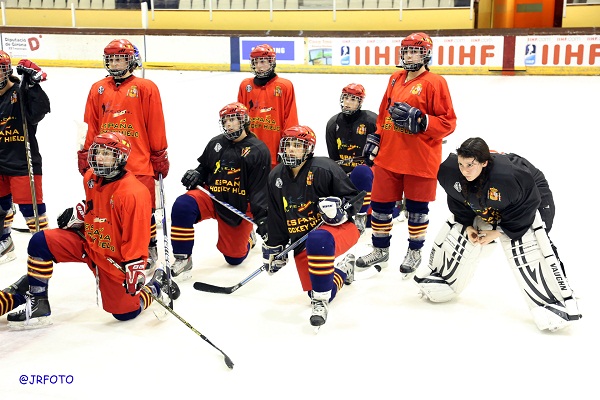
(491, 196)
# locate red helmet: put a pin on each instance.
(262, 51)
(353, 90)
(114, 149)
(234, 110)
(420, 42)
(296, 137)
(5, 68)
(120, 48)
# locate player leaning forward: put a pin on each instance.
(498, 196)
(115, 222)
(302, 190)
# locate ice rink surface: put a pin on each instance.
(381, 341)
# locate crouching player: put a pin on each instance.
(498, 196)
(111, 224)
(302, 191)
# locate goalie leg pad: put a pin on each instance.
(452, 262)
(541, 278)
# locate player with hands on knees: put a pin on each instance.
(234, 167)
(302, 191)
(136, 111)
(110, 224)
(498, 196)
(415, 115)
(20, 155)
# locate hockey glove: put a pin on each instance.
(72, 217)
(371, 148)
(31, 72)
(160, 163)
(331, 211)
(405, 116)
(270, 264)
(261, 228)
(192, 178)
(82, 161)
(134, 276)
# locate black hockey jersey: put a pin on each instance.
(236, 173)
(293, 202)
(508, 197)
(13, 152)
(346, 136)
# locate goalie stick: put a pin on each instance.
(206, 287)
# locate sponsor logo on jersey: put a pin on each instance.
(457, 187)
(96, 219)
(117, 114)
(218, 147)
(278, 183)
(100, 89)
(248, 88)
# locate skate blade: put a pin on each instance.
(367, 272)
(184, 276)
(8, 257)
(161, 314)
(317, 329)
(407, 275)
(33, 323)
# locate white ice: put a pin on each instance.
(381, 341)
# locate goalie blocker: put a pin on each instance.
(536, 268)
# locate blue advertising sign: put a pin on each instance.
(283, 48)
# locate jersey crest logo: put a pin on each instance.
(100, 89)
(90, 183)
(494, 194)
(13, 98)
(278, 183)
(245, 151)
(277, 92)
(417, 89)
(309, 178)
(133, 92)
(457, 187)
(248, 88)
(362, 130)
(218, 147)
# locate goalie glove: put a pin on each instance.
(270, 264)
(407, 117)
(32, 74)
(134, 276)
(371, 148)
(72, 217)
(331, 211)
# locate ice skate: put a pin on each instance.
(19, 287)
(34, 314)
(411, 262)
(347, 266)
(7, 250)
(182, 266)
(160, 276)
(320, 306)
(152, 257)
(377, 256)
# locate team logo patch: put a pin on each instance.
(457, 187)
(13, 98)
(278, 183)
(218, 147)
(416, 90)
(309, 178)
(245, 151)
(494, 194)
(248, 88)
(133, 92)
(100, 89)
(361, 130)
(277, 92)
(90, 183)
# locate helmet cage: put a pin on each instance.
(420, 56)
(288, 151)
(131, 63)
(5, 69)
(346, 110)
(242, 117)
(108, 145)
(265, 73)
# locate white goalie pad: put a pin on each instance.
(452, 262)
(541, 278)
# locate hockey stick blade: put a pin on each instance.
(22, 230)
(206, 287)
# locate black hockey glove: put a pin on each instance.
(261, 228)
(72, 217)
(405, 116)
(191, 179)
(371, 148)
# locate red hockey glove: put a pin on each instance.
(160, 163)
(31, 71)
(134, 276)
(82, 161)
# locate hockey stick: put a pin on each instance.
(166, 239)
(226, 205)
(28, 154)
(349, 160)
(228, 361)
(205, 287)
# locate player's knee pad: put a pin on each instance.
(541, 278)
(452, 262)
